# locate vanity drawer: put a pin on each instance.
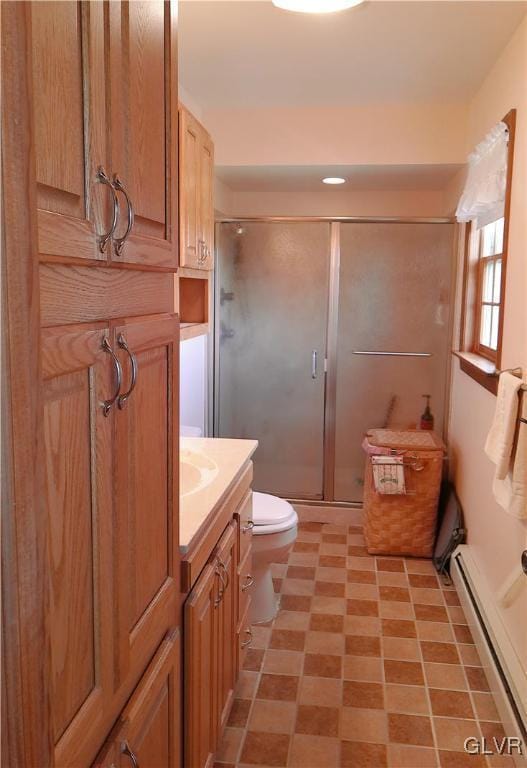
(245, 585)
(244, 516)
(244, 637)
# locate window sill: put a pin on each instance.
(480, 369)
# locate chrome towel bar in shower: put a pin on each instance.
(391, 354)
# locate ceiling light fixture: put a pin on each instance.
(316, 6)
(333, 180)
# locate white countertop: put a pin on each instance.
(230, 456)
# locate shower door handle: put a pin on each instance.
(314, 364)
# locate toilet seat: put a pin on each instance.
(272, 514)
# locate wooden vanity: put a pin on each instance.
(215, 544)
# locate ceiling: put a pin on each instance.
(251, 54)
(359, 177)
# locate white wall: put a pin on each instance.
(331, 202)
(376, 134)
(496, 538)
(193, 383)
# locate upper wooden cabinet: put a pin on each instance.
(105, 113)
(144, 129)
(196, 168)
(71, 138)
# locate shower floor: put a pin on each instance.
(369, 662)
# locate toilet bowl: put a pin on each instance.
(274, 533)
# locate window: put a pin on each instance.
(490, 264)
(484, 289)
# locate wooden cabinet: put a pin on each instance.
(105, 111)
(200, 727)
(78, 376)
(210, 641)
(215, 633)
(227, 619)
(71, 131)
(144, 128)
(151, 730)
(196, 193)
(146, 430)
(148, 731)
(111, 451)
(94, 564)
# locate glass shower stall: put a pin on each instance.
(325, 329)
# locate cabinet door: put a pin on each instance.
(200, 663)
(69, 93)
(226, 623)
(143, 82)
(206, 207)
(78, 377)
(146, 489)
(189, 196)
(152, 718)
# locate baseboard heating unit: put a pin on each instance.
(506, 675)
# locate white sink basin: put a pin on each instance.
(196, 471)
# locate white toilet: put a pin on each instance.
(274, 533)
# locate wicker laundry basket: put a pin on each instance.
(404, 524)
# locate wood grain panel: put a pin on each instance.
(227, 620)
(78, 377)
(206, 207)
(152, 717)
(145, 48)
(200, 727)
(26, 732)
(189, 198)
(147, 497)
(70, 127)
(143, 76)
(68, 471)
(82, 294)
(58, 104)
(148, 493)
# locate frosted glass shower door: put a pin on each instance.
(271, 313)
(394, 297)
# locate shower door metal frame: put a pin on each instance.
(330, 366)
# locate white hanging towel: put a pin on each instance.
(388, 474)
(500, 440)
(511, 492)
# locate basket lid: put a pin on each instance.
(409, 439)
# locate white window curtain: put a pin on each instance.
(483, 199)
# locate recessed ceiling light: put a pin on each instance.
(316, 6)
(333, 180)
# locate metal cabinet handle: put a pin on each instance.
(249, 641)
(219, 573)
(119, 242)
(107, 404)
(103, 178)
(226, 572)
(248, 583)
(314, 364)
(202, 252)
(126, 750)
(121, 341)
(248, 527)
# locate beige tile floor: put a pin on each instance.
(369, 662)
